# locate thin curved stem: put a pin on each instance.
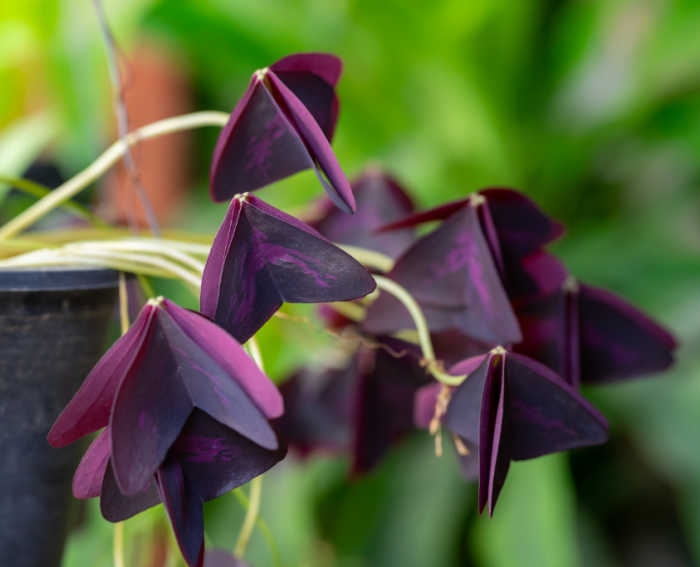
(432, 365)
(107, 160)
(262, 526)
(250, 517)
(122, 116)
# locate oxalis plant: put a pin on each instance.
(473, 330)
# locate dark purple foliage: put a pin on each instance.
(511, 408)
(363, 408)
(207, 460)
(380, 200)
(587, 334)
(384, 402)
(262, 257)
(452, 346)
(451, 274)
(186, 414)
(272, 134)
(179, 351)
(146, 386)
(312, 77)
(151, 390)
(319, 408)
(516, 231)
(521, 226)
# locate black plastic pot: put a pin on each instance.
(53, 325)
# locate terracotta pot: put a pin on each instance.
(53, 325)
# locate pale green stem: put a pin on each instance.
(146, 261)
(191, 247)
(156, 244)
(254, 347)
(118, 549)
(432, 365)
(123, 304)
(118, 544)
(73, 260)
(141, 246)
(369, 258)
(104, 162)
(251, 515)
(262, 526)
(22, 244)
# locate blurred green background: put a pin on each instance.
(590, 107)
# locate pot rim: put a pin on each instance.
(57, 278)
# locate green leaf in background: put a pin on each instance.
(22, 142)
(39, 191)
(534, 523)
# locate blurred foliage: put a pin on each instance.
(592, 108)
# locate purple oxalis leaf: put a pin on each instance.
(510, 217)
(262, 257)
(618, 340)
(587, 334)
(535, 275)
(494, 439)
(157, 374)
(380, 200)
(90, 407)
(271, 134)
(451, 274)
(521, 226)
(215, 459)
(319, 408)
(117, 507)
(312, 77)
(364, 407)
(383, 406)
(515, 229)
(145, 422)
(207, 460)
(184, 509)
(511, 408)
(87, 480)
